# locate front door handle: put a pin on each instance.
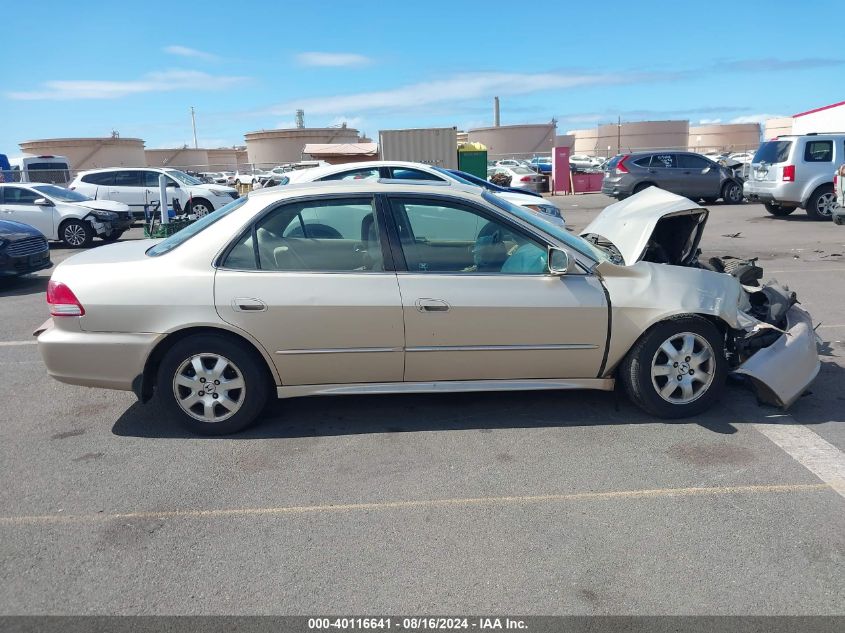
(248, 304)
(432, 305)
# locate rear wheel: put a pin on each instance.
(822, 203)
(76, 233)
(212, 385)
(732, 192)
(677, 369)
(778, 209)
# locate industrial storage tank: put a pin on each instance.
(90, 153)
(189, 158)
(613, 138)
(724, 136)
(273, 147)
(522, 141)
(222, 159)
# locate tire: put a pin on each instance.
(179, 384)
(647, 369)
(200, 207)
(779, 210)
(76, 233)
(641, 186)
(821, 204)
(113, 236)
(732, 192)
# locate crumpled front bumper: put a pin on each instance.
(782, 371)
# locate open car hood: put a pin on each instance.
(653, 225)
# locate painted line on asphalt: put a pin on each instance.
(17, 343)
(799, 270)
(401, 505)
(809, 449)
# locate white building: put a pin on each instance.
(826, 119)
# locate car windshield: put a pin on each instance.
(180, 237)
(773, 152)
(550, 225)
(182, 177)
(60, 193)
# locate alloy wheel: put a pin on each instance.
(74, 235)
(683, 368)
(200, 210)
(826, 204)
(209, 387)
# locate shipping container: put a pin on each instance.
(432, 146)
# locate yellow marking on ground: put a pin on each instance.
(422, 503)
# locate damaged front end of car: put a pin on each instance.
(655, 272)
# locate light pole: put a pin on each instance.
(194, 126)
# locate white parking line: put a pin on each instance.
(17, 343)
(815, 454)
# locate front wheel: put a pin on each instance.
(778, 210)
(200, 207)
(732, 192)
(212, 385)
(822, 203)
(76, 233)
(677, 369)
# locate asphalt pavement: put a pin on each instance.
(534, 503)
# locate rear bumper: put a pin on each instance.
(776, 192)
(25, 264)
(110, 360)
(781, 372)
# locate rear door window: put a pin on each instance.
(663, 161)
(773, 152)
(818, 151)
(128, 178)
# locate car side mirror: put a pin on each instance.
(560, 263)
(42, 202)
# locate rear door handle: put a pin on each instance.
(432, 305)
(248, 304)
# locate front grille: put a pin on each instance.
(26, 246)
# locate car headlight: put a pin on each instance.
(104, 216)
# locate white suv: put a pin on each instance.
(139, 188)
(797, 171)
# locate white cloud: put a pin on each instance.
(755, 118)
(456, 88)
(165, 81)
(709, 121)
(285, 125)
(184, 51)
(351, 121)
(332, 59)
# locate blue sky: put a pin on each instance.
(86, 68)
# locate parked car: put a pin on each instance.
(219, 177)
(521, 177)
(542, 164)
(46, 168)
(472, 179)
(139, 188)
(5, 169)
(797, 171)
(402, 172)
(839, 189)
(61, 214)
(583, 162)
(684, 173)
(23, 249)
(372, 287)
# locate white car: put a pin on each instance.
(139, 188)
(61, 214)
(219, 177)
(427, 174)
(582, 161)
(521, 177)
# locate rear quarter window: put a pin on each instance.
(818, 151)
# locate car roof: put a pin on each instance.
(373, 186)
(106, 169)
(331, 169)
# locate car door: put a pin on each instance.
(479, 303)
(699, 177)
(127, 187)
(662, 171)
(19, 205)
(311, 282)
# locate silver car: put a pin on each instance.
(368, 288)
(797, 171)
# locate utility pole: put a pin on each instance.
(619, 134)
(194, 126)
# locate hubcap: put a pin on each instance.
(75, 235)
(734, 193)
(209, 387)
(826, 204)
(200, 210)
(683, 368)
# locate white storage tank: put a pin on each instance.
(267, 148)
(432, 146)
(90, 153)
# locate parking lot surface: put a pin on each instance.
(529, 503)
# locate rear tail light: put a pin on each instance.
(525, 179)
(620, 166)
(835, 180)
(789, 173)
(62, 301)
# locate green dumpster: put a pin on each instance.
(472, 158)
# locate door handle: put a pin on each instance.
(248, 304)
(432, 305)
